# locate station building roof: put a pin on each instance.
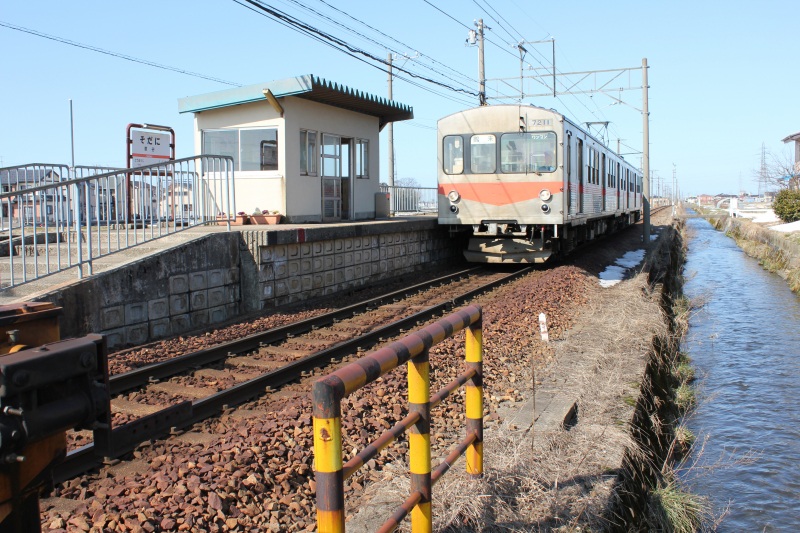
(308, 86)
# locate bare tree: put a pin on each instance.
(779, 170)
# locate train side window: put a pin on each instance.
(453, 154)
(483, 154)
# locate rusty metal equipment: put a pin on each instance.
(47, 387)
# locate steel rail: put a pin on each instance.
(123, 439)
(142, 376)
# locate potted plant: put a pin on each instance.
(265, 217)
(258, 216)
(241, 219)
(274, 217)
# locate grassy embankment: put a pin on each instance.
(777, 252)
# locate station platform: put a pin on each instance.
(206, 275)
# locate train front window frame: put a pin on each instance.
(528, 152)
(483, 153)
(453, 154)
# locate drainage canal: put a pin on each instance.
(745, 344)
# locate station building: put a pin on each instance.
(304, 147)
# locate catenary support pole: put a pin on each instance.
(645, 159)
(390, 126)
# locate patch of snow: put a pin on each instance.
(764, 217)
(611, 276)
(616, 272)
(787, 228)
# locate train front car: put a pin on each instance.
(501, 175)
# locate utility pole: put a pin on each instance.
(762, 175)
(645, 159)
(390, 178)
(481, 71)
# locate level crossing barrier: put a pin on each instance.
(329, 391)
(54, 217)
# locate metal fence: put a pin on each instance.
(411, 199)
(53, 217)
(330, 471)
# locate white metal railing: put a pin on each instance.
(411, 199)
(53, 217)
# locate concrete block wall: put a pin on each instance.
(220, 277)
(179, 290)
(294, 265)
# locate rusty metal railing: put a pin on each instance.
(328, 392)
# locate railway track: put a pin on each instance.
(167, 396)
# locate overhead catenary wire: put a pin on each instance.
(340, 44)
(369, 39)
(116, 54)
(432, 59)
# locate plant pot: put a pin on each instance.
(266, 219)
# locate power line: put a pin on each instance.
(115, 54)
(338, 43)
(434, 60)
(513, 38)
(368, 38)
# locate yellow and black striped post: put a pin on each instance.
(328, 456)
(474, 403)
(419, 441)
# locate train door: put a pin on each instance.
(570, 189)
(581, 176)
(618, 185)
(603, 180)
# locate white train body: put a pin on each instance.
(529, 183)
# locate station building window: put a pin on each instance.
(251, 148)
(362, 159)
(308, 153)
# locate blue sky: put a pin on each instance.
(723, 76)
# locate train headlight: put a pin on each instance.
(545, 208)
(453, 196)
(454, 209)
(544, 195)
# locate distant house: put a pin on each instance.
(303, 146)
(705, 199)
(794, 180)
(39, 206)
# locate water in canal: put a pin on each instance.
(745, 344)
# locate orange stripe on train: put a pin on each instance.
(501, 193)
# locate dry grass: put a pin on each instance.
(565, 480)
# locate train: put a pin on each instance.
(529, 184)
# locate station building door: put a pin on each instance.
(337, 172)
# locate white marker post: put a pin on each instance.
(543, 327)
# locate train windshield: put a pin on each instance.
(483, 154)
(528, 152)
(453, 154)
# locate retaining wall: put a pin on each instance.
(224, 276)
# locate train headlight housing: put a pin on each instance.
(454, 209)
(453, 196)
(545, 208)
(545, 195)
